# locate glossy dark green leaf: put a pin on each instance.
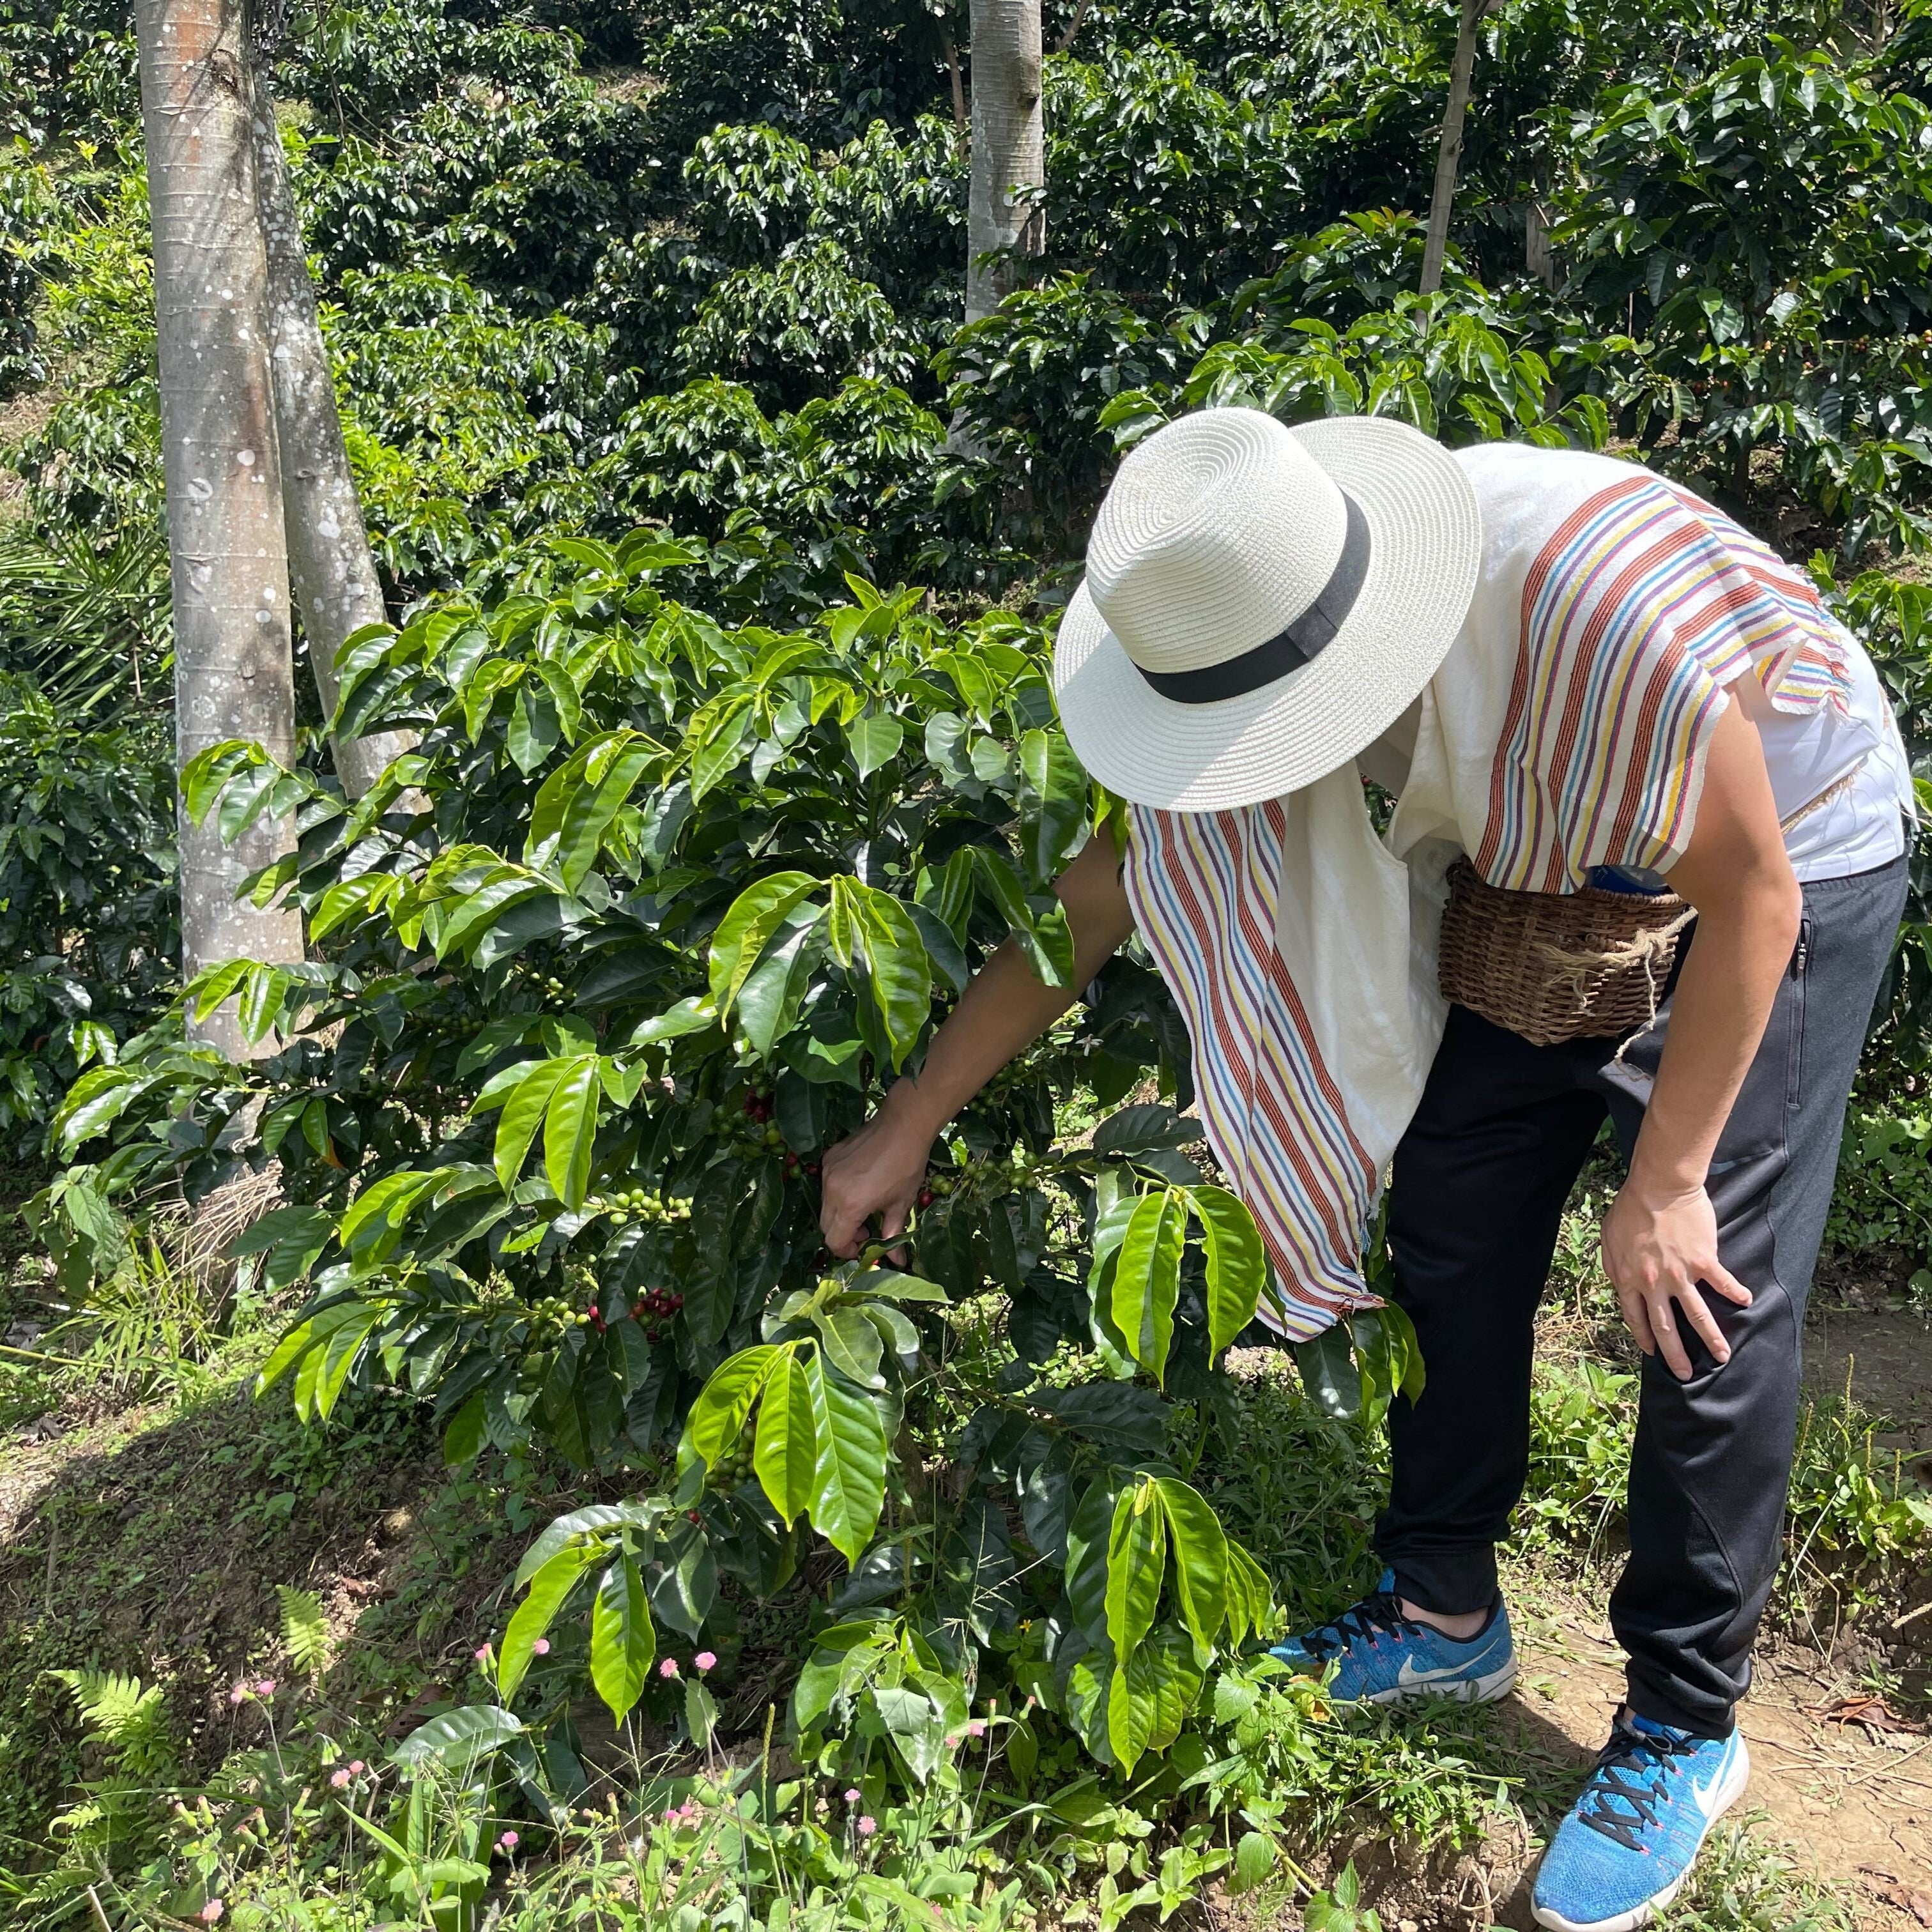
(1237, 1264)
(785, 1453)
(1054, 816)
(849, 1487)
(1146, 1279)
(1200, 1547)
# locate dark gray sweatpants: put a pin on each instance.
(1477, 1196)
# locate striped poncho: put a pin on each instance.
(1566, 729)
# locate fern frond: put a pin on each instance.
(305, 1629)
(112, 1704)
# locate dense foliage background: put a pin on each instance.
(723, 562)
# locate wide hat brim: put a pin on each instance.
(1425, 548)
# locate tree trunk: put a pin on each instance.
(333, 575)
(1009, 149)
(1536, 257)
(1449, 156)
(233, 677)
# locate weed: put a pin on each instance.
(1339, 1909)
(1583, 1422)
(1741, 1883)
(1882, 1199)
(1853, 1513)
(149, 1329)
(1299, 1488)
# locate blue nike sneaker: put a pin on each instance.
(1624, 1853)
(1381, 1657)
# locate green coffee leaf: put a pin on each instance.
(1237, 1264)
(875, 740)
(1147, 1278)
(623, 1642)
(523, 1114)
(549, 1588)
(1136, 1562)
(717, 1417)
(849, 1486)
(1200, 1548)
(1054, 806)
(785, 1454)
(570, 1129)
(747, 927)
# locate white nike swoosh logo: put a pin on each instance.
(1705, 1792)
(1410, 1675)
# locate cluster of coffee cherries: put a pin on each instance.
(639, 1204)
(937, 1186)
(659, 1305)
(734, 1466)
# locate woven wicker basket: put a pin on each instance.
(1557, 966)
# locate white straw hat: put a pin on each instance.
(1262, 603)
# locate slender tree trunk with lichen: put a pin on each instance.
(1003, 212)
(331, 570)
(233, 672)
(1449, 154)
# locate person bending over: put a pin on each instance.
(1574, 677)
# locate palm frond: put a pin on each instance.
(92, 626)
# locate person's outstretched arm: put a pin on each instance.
(1660, 1235)
(1003, 1011)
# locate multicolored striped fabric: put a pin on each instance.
(1644, 603)
(1205, 890)
(1587, 709)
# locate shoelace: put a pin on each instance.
(1379, 1612)
(1627, 1787)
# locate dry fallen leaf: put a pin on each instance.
(1873, 1712)
(1918, 1903)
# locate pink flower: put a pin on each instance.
(211, 1912)
(541, 1647)
(977, 1728)
(482, 1653)
(266, 1688)
(867, 1826)
(952, 1741)
(356, 1768)
(706, 1660)
(668, 1668)
(340, 1779)
(673, 1814)
(237, 1693)
(508, 1842)
(852, 1795)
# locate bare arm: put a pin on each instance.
(1660, 1236)
(1004, 1009)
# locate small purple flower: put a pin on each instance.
(541, 1648)
(867, 1826)
(705, 1660)
(668, 1668)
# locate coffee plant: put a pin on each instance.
(549, 1109)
